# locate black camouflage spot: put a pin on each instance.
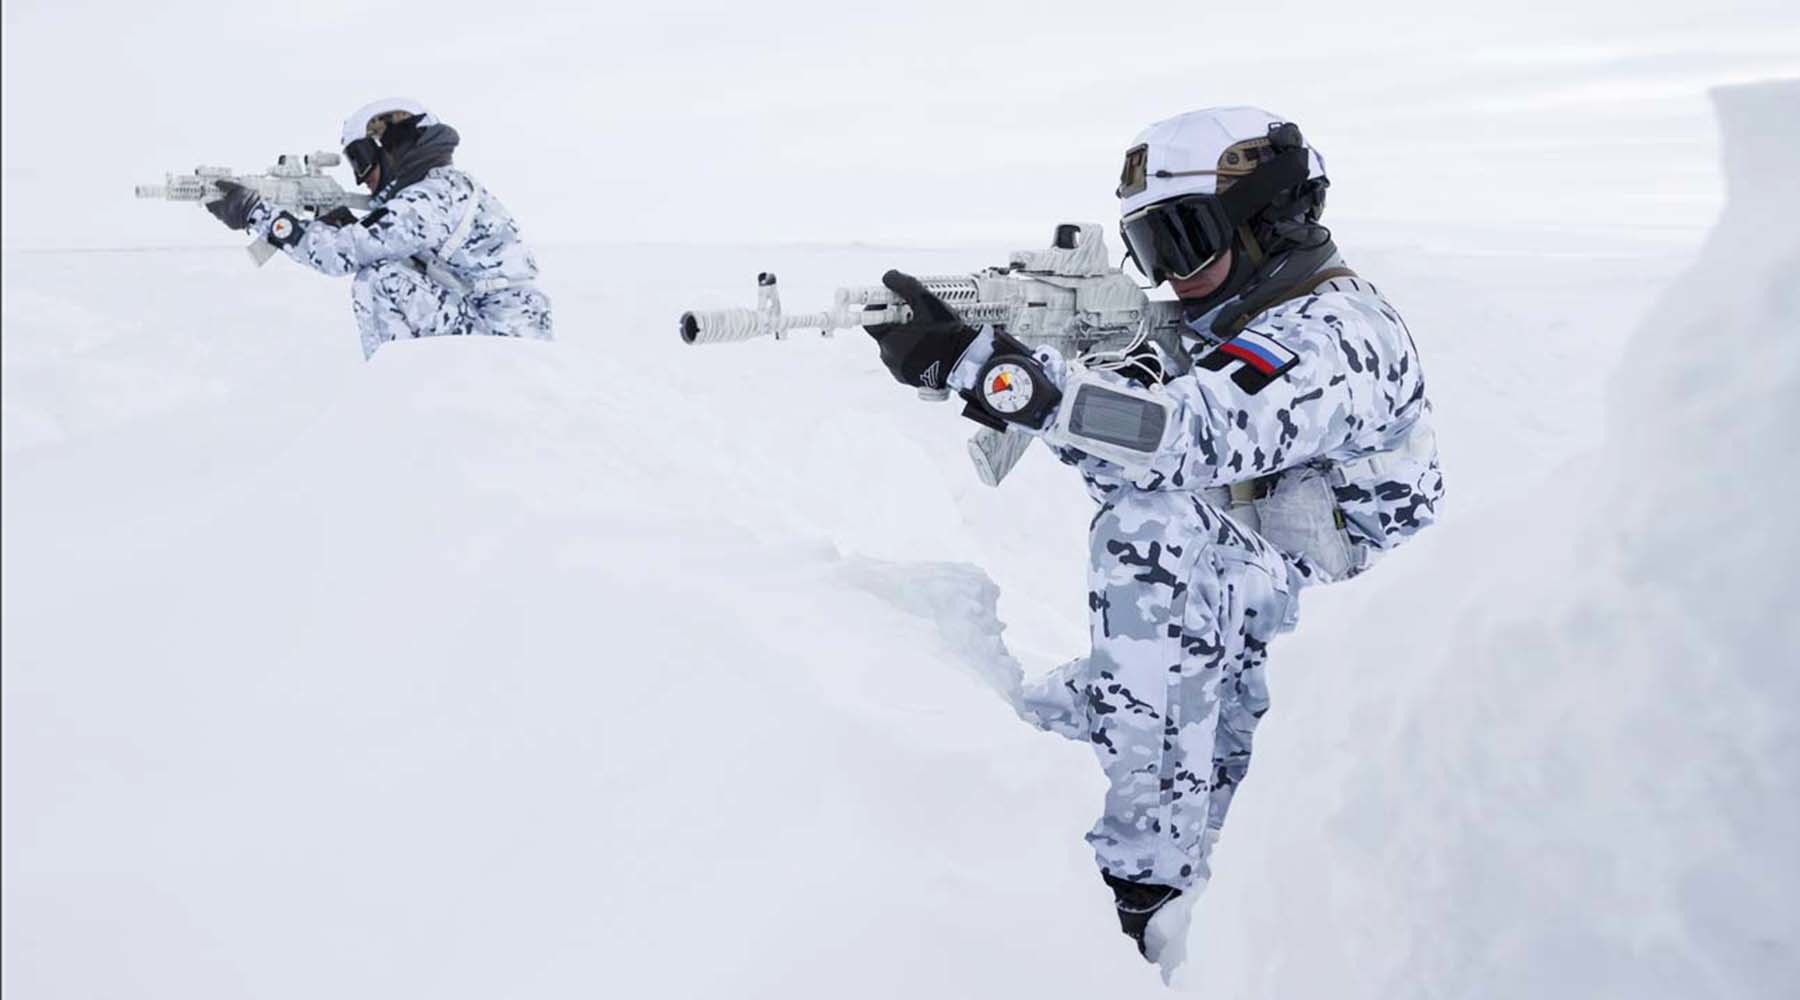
(1154, 571)
(1289, 429)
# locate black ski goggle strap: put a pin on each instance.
(364, 155)
(1178, 237)
(1259, 188)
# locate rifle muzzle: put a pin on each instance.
(720, 326)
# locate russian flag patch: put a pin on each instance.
(1259, 358)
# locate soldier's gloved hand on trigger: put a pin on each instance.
(234, 204)
(922, 350)
(338, 217)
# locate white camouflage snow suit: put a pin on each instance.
(438, 257)
(1185, 595)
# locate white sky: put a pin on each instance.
(922, 122)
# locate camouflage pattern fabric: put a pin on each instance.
(394, 300)
(1183, 604)
(1356, 389)
(391, 296)
(1184, 600)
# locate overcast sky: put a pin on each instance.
(922, 122)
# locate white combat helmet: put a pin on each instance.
(1191, 153)
(357, 126)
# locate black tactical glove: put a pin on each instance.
(921, 351)
(234, 204)
(338, 217)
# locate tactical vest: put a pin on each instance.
(1336, 516)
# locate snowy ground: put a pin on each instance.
(619, 667)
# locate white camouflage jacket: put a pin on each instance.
(496, 270)
(1345, 410)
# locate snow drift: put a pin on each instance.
(1566, 764)
(612, 666)
(496, 668)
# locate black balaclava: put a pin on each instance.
(409, 152)
(1277, 249)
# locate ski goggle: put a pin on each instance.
(364, 155)
(1178, 237)
(389, 131)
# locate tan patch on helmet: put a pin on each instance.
(1240, 158)
(1132, 177)
(379, 123)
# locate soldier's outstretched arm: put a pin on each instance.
(407, 226)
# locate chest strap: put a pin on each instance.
(1250, 310)
(436, 263)
(460, 234)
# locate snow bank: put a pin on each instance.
(1566, 765)
(439, 698)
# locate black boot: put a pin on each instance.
(1137, 903)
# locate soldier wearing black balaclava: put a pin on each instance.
(436, 255)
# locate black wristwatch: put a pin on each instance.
(1012, 389)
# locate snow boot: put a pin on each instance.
(1137, 903)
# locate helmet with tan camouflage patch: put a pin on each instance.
(1195, 185)
(376, 131)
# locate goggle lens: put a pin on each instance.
(1176, 239)
(364, 155)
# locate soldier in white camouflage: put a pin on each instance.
(437, 254)
(1290, 445)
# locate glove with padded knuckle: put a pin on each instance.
(921, 351)
(234, 204)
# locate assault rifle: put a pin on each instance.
(296, 183)
(1068, 296)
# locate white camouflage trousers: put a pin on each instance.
(1183, 603)
(394, 300)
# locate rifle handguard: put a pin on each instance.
(1067, 296)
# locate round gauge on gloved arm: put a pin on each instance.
(1012, 388)
(921, 351)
